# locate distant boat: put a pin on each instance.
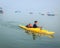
(42, 14)
(51, 14)
(30, 12)
(1, 11)
(17, 11)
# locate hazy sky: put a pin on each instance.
(31, 5)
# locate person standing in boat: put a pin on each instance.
(35, 25)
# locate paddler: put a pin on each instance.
(29, 26)
(35, 25)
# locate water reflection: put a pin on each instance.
(35, 35)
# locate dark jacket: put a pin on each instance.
(35, 26)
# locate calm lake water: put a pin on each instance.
(11, 36)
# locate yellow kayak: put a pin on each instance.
(37, 30)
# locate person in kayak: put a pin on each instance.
(35, 25)
(29, 26)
